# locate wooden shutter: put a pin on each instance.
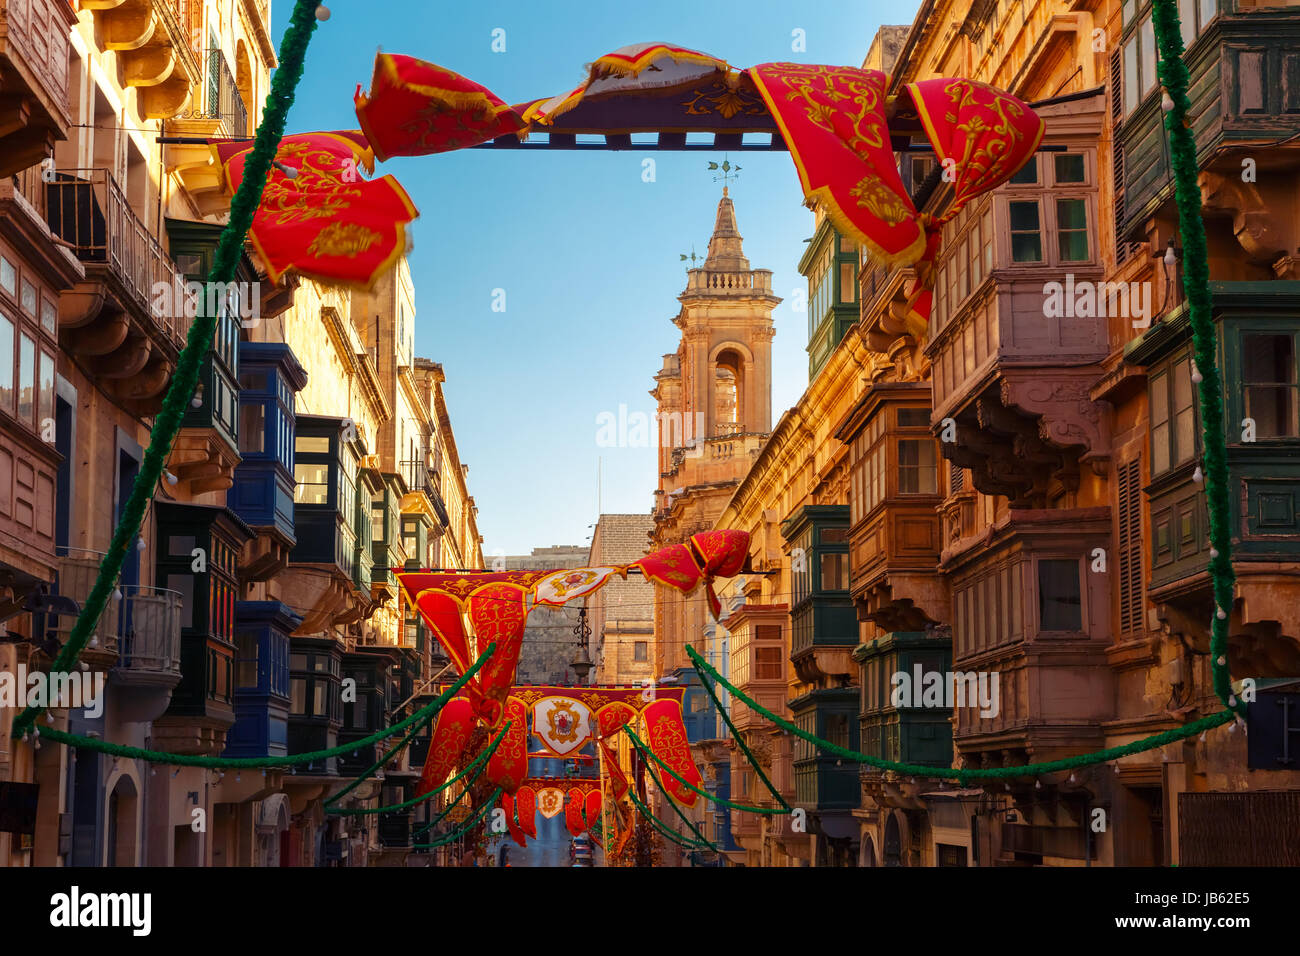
(1131, 600)
(1123, 249)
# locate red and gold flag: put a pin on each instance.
(415, 108)
(573, 812)
(617, 778)
(499, 614)
(833, 121)
(512, 825)
(674, 566)
(451, 732)
(508, 766)
(591, 808)
(666, 738)
(526, 808)
(328, 221)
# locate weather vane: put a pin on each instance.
(728, 172)
(693, 257)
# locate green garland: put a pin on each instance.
(962, 775)
(753, 761)
(721, 801)
(1196, 285)
(293, 50)
(415, 801)
(667, 832)
(253, 763)
(456, 835)
(700, 838)
(451, 806)
(387, 756)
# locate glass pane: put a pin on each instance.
(913, 418)
(49, 317)
(1147, 32)
(45, 385)
(297, 696)
(252, 428)
(26, 378)
(184, 583)
(1071, 214)
(180, 545)
(1027, 175)
(1159, 398)
(1026, 247)
(848, 282)
(1073, 246)
(1209, 10)
(1187, 21)
(1069, 168)
(835, 572)
(1267, 358)
(1024, 216)
(1059, 597)
(28, 298)
(8, 276)
(255, 382)
(1273, 408)
(6, 364)
(1186, 437)
(1131, 80)
(1160, 449)
(312, 444)
(313, 484)
(1182, 385)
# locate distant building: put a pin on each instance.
(621, 614)
(550, 644)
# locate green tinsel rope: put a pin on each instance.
(1196, 286)
(721, 801)
(246, 763)
(491, 802)
(753, 762)
(963, 775)
(293, 50)
(667, 832)
(703, 840)
(387, 756)
(415, 801)
(451, 806)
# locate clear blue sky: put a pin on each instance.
(586, 252)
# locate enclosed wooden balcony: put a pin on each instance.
(113, 322)
(1244, 102)
(34, 51)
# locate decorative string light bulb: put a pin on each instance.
(1166, 101)
(1198, 476)
(322, 13)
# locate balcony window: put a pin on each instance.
(1026, 231)
(1071, 168)
(834, 572)
(313, 484)
(1173, 415)
(26, 378)
(8, 276)
(246, 661)
(1268, 372)
(1072, 229)
(918, 469)
(1060, 606)
(1027, 175)
(769, 662)
(6, 364)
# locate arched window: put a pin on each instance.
(728, 393)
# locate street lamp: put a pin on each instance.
(582, 664)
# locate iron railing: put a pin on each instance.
(420, 477)
(222, 99)
(87, 209)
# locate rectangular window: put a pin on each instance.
(1027, 175)
(1069, 168)
(29, 298)
(1147, 32)
(1072, 229)
(848, 282)
(313, 484)
(6, 364)
(1159, 423)
(835, 572)
(252, 428)
(45, 395)
(246, 670)
(49, 317)
(311, 445)
(1131, 79)
(1268, 372)
(26, 378)
(298, 696)
(914, 418)
(1026, 232)
(1184, 413)
(987, 227)
(768, 663)
(918, 472)
(1059, 598)
(640, 651)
